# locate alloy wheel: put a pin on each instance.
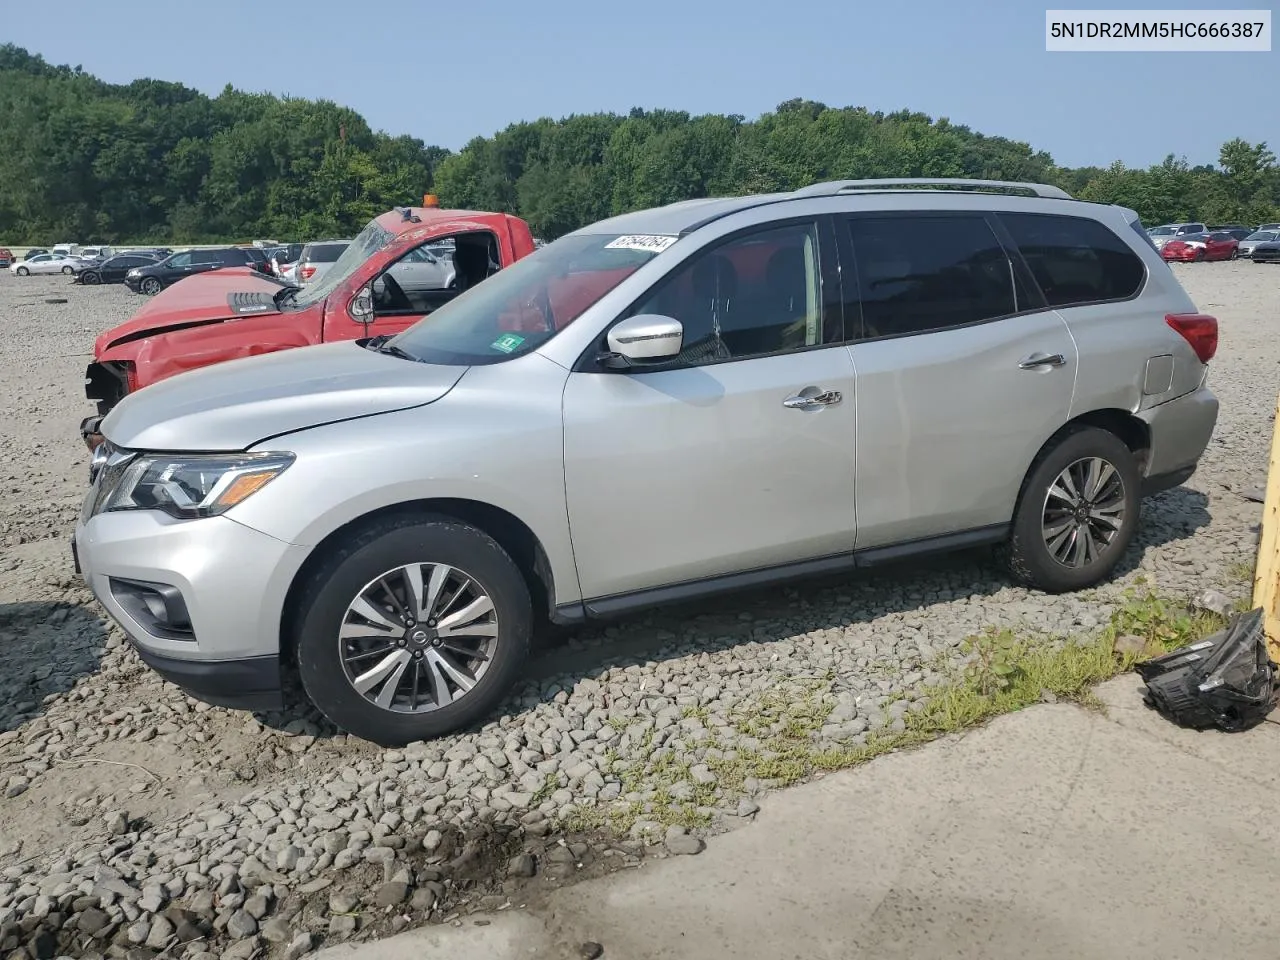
(418, 638)
(90, 278)
(1084, 510)
(151, 286)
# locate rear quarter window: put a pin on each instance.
(325, 252)
(1075, 260)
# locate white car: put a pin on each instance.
(47, 263)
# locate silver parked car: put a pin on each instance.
(1252, 240)
(316, 258)
(712, 395)
(1173, 231)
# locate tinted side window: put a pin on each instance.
(917, 274)
(1075, 259)
(179, 260)
(753, 295)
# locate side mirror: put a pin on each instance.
(361, 306)
(646, 337)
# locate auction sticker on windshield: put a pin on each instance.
(507, 342)
(651, 242)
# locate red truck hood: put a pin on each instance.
(196, 301)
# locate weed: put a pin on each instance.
(1005, 672)
(1242, 571)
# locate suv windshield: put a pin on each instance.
(1161, 231)
(369, 241)
(522, 307)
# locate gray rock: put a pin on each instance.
(276, 930)
(522, 865)
(299, 946)
(343, 926)
(241, 925)
(139, 931)
(684, 845)
(391, 893)
(343, 902)
(161, 932)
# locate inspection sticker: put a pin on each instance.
(651, 242)
(507, 342)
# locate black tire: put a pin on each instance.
(382, 547)
(90, 278)
(149, 286)
(23, 272)
(1029, 556)
(68, 270)
(1199, 256)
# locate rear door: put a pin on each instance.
(962, 372)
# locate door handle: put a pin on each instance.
(803, 401)
(1043, 360)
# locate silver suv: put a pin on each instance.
(712, 395)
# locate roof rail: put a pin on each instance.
(833, 187)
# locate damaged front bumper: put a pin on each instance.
(91, 431)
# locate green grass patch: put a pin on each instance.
(777, 743)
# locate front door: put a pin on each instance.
(418, 282)
(740, 456)
(963, 373)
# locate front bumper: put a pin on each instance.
(200, 600)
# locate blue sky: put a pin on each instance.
(446, 72)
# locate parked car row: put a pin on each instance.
(390, 511)
(1192, 242)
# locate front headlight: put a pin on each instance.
(200, 485)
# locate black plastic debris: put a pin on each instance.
(1226, 681)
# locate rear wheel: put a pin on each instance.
(68, 270)
(150, 286)
(1199, 255)
(1077, 513)
(414, 629)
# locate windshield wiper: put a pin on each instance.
(381, 345)
(286, 292)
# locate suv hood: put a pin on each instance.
(233, 405)
(200, 299)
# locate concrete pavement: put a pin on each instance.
(1051, 833)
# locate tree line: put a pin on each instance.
(154, 161)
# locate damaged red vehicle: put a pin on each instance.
(395, 272)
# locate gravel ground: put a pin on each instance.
(136, 821)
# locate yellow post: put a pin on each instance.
(1266, 578)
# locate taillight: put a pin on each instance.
(1199, 330)
(308, 272)
(130, 375)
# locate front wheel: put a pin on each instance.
(68, 270)
(150, 286)
(24, 272)
(90, 278)
(1077, 513)
(414, 629)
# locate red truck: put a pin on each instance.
(370, 290)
